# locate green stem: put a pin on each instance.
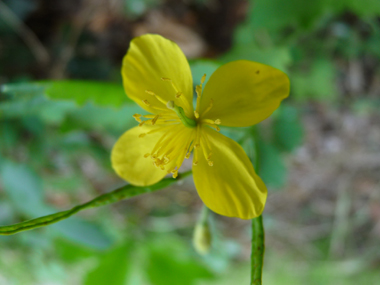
(125, 192)
(258, 234)
(258, 248)
(203, 219)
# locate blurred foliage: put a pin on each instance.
(52, 132)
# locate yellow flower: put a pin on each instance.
(157, 76)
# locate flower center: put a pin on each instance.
(177, 142)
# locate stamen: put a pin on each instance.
(142, 123)
(169, 80)
(150, 92)
(146, 102)
(137, 117)
(213, 125)
(178, 94)
(155, 95)
(211, 122)
(209, 107)
(160, 109)
(207, 150)
(198, 90)
(203, 78)
(155, 119)
(146, 155)
(163, 144)
(185, 152)
(196, 145)
(160, 129)
(142, 135)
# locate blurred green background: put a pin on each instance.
(320, 152)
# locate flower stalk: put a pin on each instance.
(124, 192)
(258, 234)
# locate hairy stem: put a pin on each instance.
(125, 192)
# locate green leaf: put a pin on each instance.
(318, 83)
(91, 117)
(70, 251)
(363, 8)
(23, 186)
(278, 57)
(113, 267)
(275, 15)
(178, 267)
(288, 130)
(51, 112)
(100, 93)
(82, 232)
(81, 92)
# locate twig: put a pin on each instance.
(37, 48)
(341, 220)
(58, 70)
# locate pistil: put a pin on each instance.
(190, 123)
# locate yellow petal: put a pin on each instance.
(244, 93)
(230, 187)
(150, 58)
(128, 159)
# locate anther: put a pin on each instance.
(142, 123)
(187, 156)
(217, 128)
(179, 94)
(155, 119)
(142, 135)
(210, 163)
(146, 155)
(137, 117)
(146, 102)
(218, 122)
(203, 78)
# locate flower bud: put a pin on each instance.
(202, 238)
